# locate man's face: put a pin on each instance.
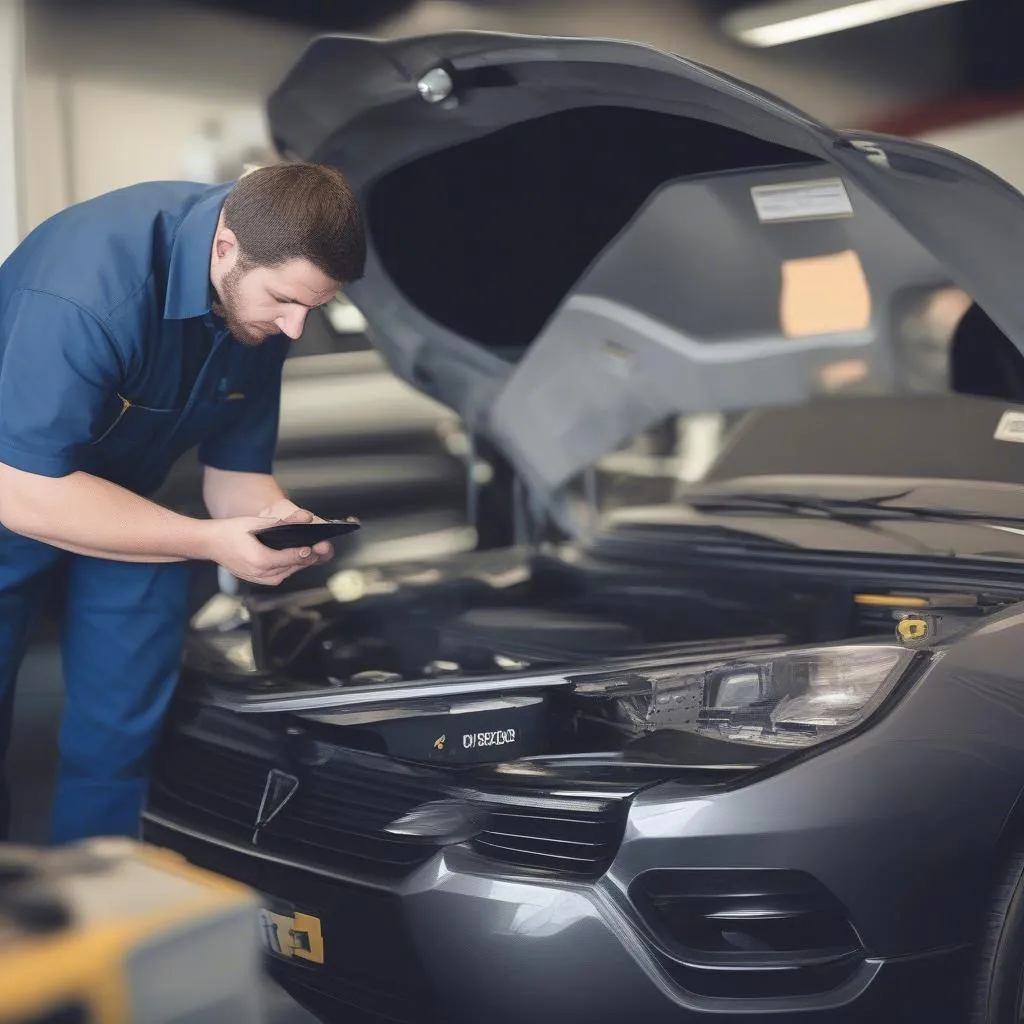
(259, 302)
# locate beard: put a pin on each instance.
(228, 309)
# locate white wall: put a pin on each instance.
(121, 94)
(996, 143)
(10, 98)
(140, 93)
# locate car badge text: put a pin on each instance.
(495, 738)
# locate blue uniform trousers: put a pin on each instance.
(120, 648)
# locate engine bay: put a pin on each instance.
(506, 612)
(573, 655)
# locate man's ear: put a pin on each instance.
(225, 244)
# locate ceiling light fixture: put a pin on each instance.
(789, 21)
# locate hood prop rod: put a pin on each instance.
(520, 524)
(528, 520)
(472, 486)
(590, 489)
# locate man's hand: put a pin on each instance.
(233, 546)
(285, 511)
(230, 495)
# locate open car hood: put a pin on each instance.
(571, 239)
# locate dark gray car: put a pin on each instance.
(753, 754)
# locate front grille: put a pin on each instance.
(335, 819)
(748, 931)
(222, 781)
(345, 812)
(580, 842)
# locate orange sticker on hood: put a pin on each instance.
(824, 295)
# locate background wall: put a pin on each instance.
(10, 98)
(116, 95)
(117, 92)
(994, 142)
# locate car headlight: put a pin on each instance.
(792, 698)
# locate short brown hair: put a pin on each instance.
(298, 211)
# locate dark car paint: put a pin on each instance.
(447, 973)
(936, 774)
(906, 821)
(932, 785)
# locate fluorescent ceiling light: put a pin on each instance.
(789, 21)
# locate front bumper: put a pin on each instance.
(456, 941)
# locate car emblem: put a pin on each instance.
(279, 789)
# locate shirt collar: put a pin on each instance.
(188, 275)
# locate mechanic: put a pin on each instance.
(134, 327)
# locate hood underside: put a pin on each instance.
(572, 239)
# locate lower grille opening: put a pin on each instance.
(755, 932)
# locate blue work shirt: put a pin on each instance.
(102, 307)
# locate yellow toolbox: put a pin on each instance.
(118, 932)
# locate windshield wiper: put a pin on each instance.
(873, 509)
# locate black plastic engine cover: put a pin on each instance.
(469, 732)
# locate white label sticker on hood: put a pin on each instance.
(1011, 427)
(802, 200)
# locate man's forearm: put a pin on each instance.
(94, 552)
(228, 494)
(87, 515)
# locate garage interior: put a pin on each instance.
(96, 95)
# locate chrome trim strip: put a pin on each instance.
(359, 696)
(390, 693)
(753, 914)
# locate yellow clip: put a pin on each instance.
(235, 395)
(912, 629)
